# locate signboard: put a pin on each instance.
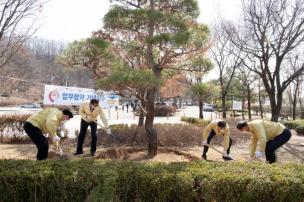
(62, 95)
(236, 105)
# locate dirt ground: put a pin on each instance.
(291, 152)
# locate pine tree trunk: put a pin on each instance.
(150, 130)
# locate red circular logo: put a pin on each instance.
(53, 95)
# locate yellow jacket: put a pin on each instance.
(88, 116)
(213, 126)
(262, 131)
(47, 120)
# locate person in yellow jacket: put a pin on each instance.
(217, 127)
(89, 112)
(45, 122)
(270, 136)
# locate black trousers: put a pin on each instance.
(210, 136)
(83, 130)
(39, 140)
(274, 144)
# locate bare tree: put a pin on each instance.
(270, 30)
(227, 60)
(45, 49)
(247, 79)
(13, 14)
(294, 90)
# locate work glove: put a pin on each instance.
(259, 154)
(56, 139)
(108, 131)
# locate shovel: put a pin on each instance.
(215, 149)
(112, 135)
(59, 149)
(218, 151)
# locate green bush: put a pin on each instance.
(196, 121)
(293, 124)
(165, 110)
(89, 180)
(297, 125)
(300, 130)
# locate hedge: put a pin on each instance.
(88, 180)
(165, 110)
(297, 125)
(196, 121)
(167, 135)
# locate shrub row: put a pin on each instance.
(165, 110)
(88, 180)
(167, 135)
(11, 130)
(195, 121)
(297, 125)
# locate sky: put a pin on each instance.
(69, 20)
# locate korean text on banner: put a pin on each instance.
(62, 95)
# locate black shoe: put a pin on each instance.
(78, 153)
(204, 156)
(93, 154)
(227, 158)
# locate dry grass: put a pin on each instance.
(168, 135)
(11, 128)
